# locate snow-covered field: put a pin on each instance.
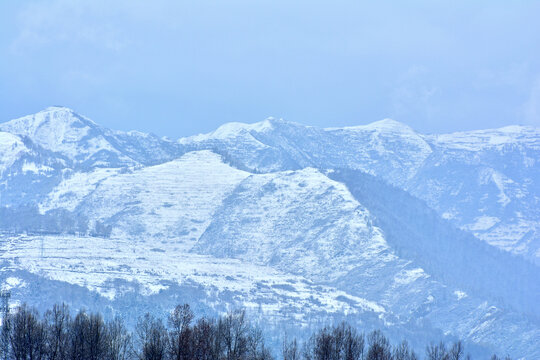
(95, 262)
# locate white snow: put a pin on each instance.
(13, 282)
(36, 169)
(55, 129)
(61, 130)
(72, 190)
(175, 199)
(385, 125)
(230, 130)
(481, 139)
(94, 262)
(11, 148)
(281, 216)
(500, 181)
(482, 223)
(281, 240)
(460, 294)
(449, 215)
(509, 237)
(408, 276)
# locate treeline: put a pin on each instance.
(57, 335)
(28, 220)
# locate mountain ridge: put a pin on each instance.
(414, 162)
(297, 223)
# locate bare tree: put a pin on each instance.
(379, 346)
(233, 329)
(78, 333)
(88, 337)
(403, 352)
(180, 336)
(206, 344)
(27, 335)
(57, 324)
(341, 342)
(290, 350)
(96, 337)
(5, 295)
(256, 349)
(118, 340)
(151, 338)
(495, 357)
(437, 352)
(352, 343)
(324, 345)
(230, 337)
(457, 352)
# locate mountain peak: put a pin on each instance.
(389, 125)
(234, 128)
(384, 125)
(58, 108)
(481, 139)
(231, 130)
(52, 116)
(58, 129)
(55, 119)
(59, 112)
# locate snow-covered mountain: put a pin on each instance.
(424, 236)
(86, 145)
(486, 182)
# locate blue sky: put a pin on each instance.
(177, 68)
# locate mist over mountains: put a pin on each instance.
(424, 236)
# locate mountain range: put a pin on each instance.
(426, 237)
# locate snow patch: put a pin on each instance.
(11, 148)
(173, 199)
(231, 130)
(36, 169)
(72, 190)
(13, 282)
(460, 294)
(408, 276)
(385, 125)
(500, 181)
(482, 223)
(491, 138)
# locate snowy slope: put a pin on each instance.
(27, 171)
(261, 215)
(96, 263)
(386, 148)
(62, 131)
(295, 242)
(11, 149)
(486, 182)
(478, 140)
(175, 199)
(307, 224)
(297, 221)
(86, 144)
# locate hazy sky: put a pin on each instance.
(178, 68)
